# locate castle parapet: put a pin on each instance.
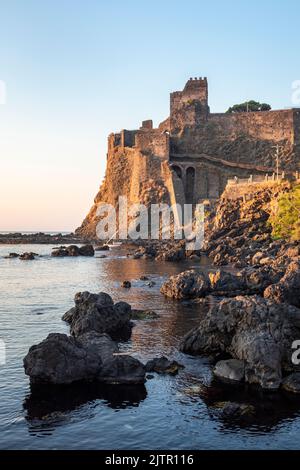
(190, 106)
(148, 124)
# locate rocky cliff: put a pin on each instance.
(128, 173)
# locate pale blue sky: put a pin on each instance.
(77, 70)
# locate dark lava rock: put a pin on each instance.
(86, 250)
(122, 369)
(150, 284)
(97, 312)
(292, 383)
(62, 359)
(73, 250)
(251, 329)
(236, 410)
(126, 284)
(163, 365)
(222, 281)
(288, 288)
(102, 248)
(27, 256)
(230, 370)
(60, 252)
(12, 256)
(172, 254)
(186, 285)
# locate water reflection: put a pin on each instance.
(123, 417)
(48, 402)
(270, 409)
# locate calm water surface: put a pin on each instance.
(168, 413)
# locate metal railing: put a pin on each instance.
(258, 179)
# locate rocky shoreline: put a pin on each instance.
(250, 324)
(41, 238)
(254, 319)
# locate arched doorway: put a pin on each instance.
(189, 184)
(177, 170)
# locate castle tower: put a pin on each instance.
(189, 107)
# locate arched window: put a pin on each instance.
(177, 170)
(189, 184)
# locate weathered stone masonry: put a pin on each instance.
(190, 156)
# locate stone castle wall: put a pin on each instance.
(193, 153)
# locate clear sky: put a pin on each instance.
(76, 70)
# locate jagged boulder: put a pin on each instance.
(186, 285)
(122, 369)
(252, 329)
(223, 281)
(176, 253)
(62, 359)
(97, 312)
(257, 279)
(288, 288)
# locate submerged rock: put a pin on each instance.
(230, 369)
(235, 410)
(62, 359)
(252, 329)
(97, 312)
(186, 285)
(162, 365)
(126, 284)
(137, 314)
(292, 383)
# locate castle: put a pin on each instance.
(191, 155)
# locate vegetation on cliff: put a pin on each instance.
(285, 220)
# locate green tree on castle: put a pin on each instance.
(249, 106)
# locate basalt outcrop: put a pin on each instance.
(90, 353)
(62, 359)
(98, 313)
(251, 329)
